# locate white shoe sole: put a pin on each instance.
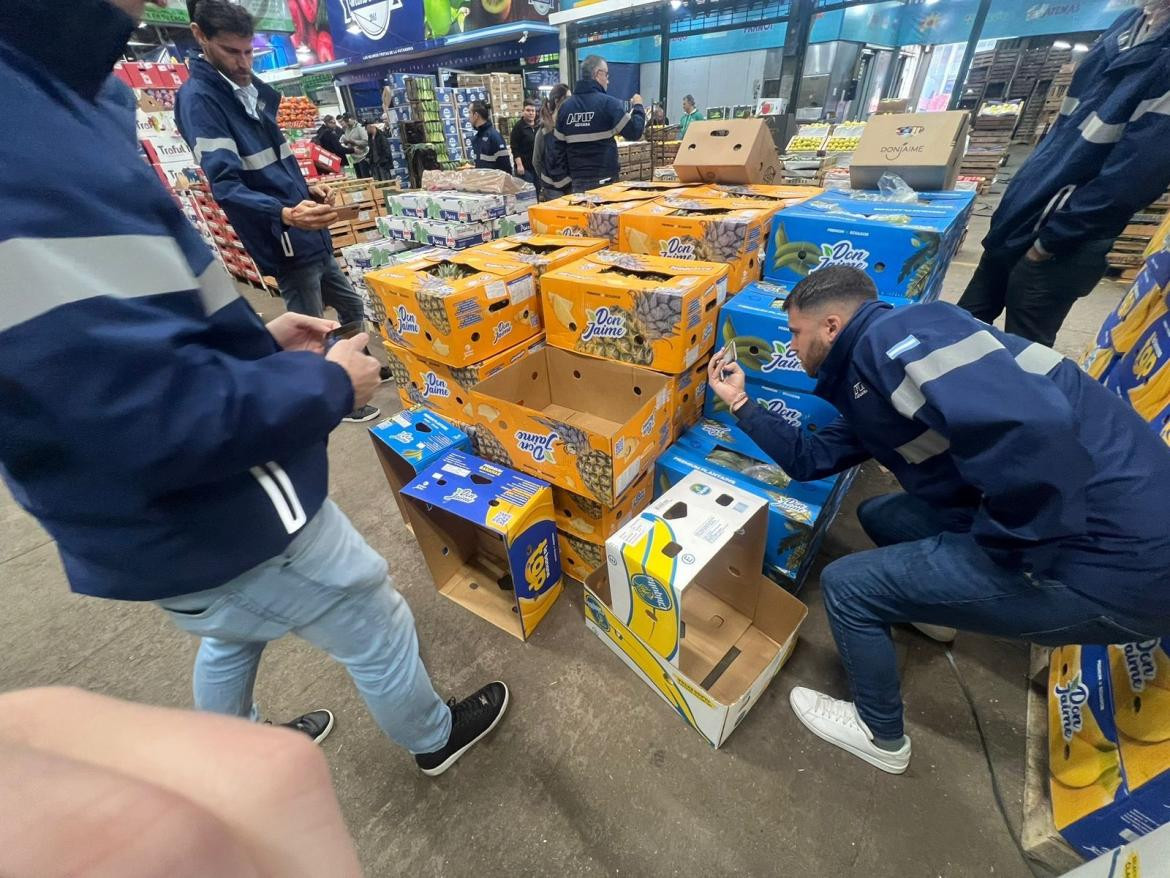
(860, 754)
(454, 757)
(937, 633)
(325, 732)
(348, 420)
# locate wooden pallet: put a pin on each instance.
(1038, 835)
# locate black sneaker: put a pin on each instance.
(316, 724)
(385, 374)
(471, 719)
(365, 413)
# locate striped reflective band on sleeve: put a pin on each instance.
(923, 447)
(1095, 130)
(1038, 359)
(556, 184)
(492, 156)
(254, 162)
(41, 274)
(210, 144)
(1068, 106)
(908, 398)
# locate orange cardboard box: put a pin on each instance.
(457, 308)
(543, 252)
(586, 519)
(788, 195)
(644, 310)
(593, 214)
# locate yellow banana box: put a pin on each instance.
(786, 195)
(644, 310)
(446, 389)
(587, 425)
(729, 633)
(407, 442)
(1140, 677)
(730, 231)
(489, 538)
(1145, 301)
(579, 557)
(591, 214)
(543, 252)
(457, 308)
(586, 519)
(1142, 376)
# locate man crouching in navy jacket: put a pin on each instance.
(1034, 504)
(587, 123)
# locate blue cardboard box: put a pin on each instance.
(408, 442)
(905, 248)
(447, 115)
(798, 512)
(798, 408)
(445, 96)
(450, 127)
(489, 537)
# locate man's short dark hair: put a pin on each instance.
(529, 102)
(835, 285)
(220, 16)
(482, 109)
(328, 120)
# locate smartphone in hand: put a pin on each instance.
(728, 354)
(349, 330)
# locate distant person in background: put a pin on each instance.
(1105, 158)
(329, 138)
(690, 114)
(548, 153)
(228, 118)
(355, 137)
(490, 149)
(588, 122)
(381, 162)
(523, 141)
(658, 115)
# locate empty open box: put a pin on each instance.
(683, 602)
(489, 539)
(407, 442)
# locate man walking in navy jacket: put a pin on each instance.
(228, 118)
(171, 443)
(1034, 505)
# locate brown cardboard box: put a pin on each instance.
(894, 105)
(924, 149)
(728, 151)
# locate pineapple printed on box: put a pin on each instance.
(587, 425)
(586, 519)
(725, 230)
(457, 308)
(592, 214)
(643, 310)
(544, 252)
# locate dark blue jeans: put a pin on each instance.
(929, 569)
(307, 289)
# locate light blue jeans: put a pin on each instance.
(333, 590)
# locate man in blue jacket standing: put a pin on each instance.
(587, 123)
(488, 143)
(228, 118)
(1105, 158)
(171, 443)
(1034, 504)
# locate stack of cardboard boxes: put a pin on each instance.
(455, 219)
(634, 160)
(359, 203)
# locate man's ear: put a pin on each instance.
(833, 323)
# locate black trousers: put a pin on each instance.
(1036, 295)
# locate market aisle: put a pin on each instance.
(588, 775)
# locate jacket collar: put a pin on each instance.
(588, 85)
(836, 365)
(480, 129)
(202, 69)
(1113, 44)
(82, 47)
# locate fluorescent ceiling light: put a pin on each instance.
(1080, 47)
(675, 4)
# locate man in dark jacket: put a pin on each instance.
(587, 123)
(523, 140)
(171, 443)
(1105, 158)
(228, 118)
(1035, 502)
(329, 138)
(489, 147)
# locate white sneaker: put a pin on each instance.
(837, 722)
(941, 633)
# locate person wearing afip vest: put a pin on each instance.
(588, 122)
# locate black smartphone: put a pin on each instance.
(349, 330)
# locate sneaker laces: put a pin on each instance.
(836, 711)
(469, 709)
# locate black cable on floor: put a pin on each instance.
(990, 766)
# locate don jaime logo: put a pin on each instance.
(573, 232)
(677, 248)
(1070, 699)
(461, 495)
(843, 253)
(406, 321)
(783, 410)
(782, 359)
(1141, 665)
(433, 385)
(503, 328)
(537, 445)
(604, 323)
(651, 591)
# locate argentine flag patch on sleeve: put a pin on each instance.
(906, 344)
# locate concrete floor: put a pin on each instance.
(590, 773)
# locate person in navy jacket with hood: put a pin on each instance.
(228, 117)
(1034, 504)
(587, 123)
(1105, 158)
(172, 444)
